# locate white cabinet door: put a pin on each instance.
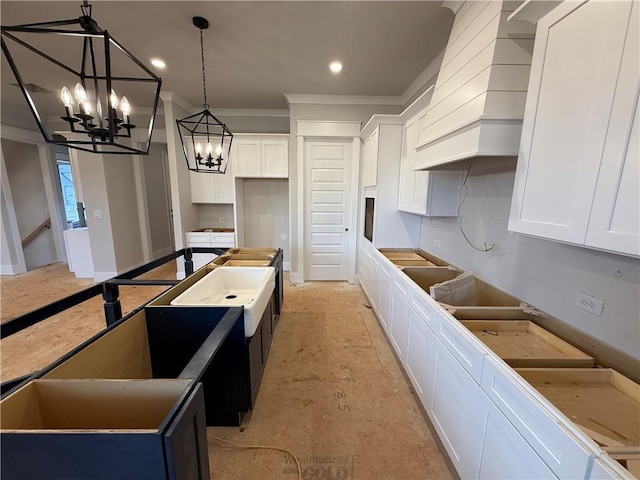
(202, 187)
(261, 157)
(419, 347)
(412, 191)
(364, 270)
(576, 60)
(605, 468)
(275, 158)
(532, 416)
(399, 323)
(384, 297)
(374, 282)
(615, 218)
(247, 155)
(457, 410)
(370, 160)
(224, 186)
(505, 454)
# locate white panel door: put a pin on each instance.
(327, 214)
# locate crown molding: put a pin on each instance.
(295, 98)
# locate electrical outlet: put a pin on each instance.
(436, 243)
(268, 212)
(283, 236)
(222, 220)
(589, 304)
(97, 214)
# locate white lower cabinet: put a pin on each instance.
(505, 453)
(565, 455)
(374, 290)
(605, 468)
(419, 347)
(364, 271)
(458, 411)
(384, 299)
(399, 322)
(208, 240)
(492, 423)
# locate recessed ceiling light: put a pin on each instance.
(156, 62)
(335, 67)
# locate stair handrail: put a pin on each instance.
(29, 238)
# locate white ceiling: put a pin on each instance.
(255, 52)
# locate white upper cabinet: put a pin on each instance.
(211, 187)
(421, 192)
(577, 178)
(370, 160)
(261, 156)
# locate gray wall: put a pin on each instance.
(123, 208)
(92, 175)
(156, 178)
(29, 199)
(210, 215)
(261, 230)
(543, 273)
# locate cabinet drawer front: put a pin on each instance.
(403, 283)
(461, 343)
(386, 269)
(219, 238)
(426, 306)
(198, 237)
(560, 450)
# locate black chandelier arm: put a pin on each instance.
(26, 95)
(43, 55)
(120, 47)
(29, 26)
(71, 33)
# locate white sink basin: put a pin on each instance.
(250, 287)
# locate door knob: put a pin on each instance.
(346, 229)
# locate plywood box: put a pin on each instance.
(167, 342)
(394, 254)
(246, 263)
(601, 401)
(413, 263)
(522, 343)
(425, 277)
(102, 429)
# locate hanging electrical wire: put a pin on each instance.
(486, 248)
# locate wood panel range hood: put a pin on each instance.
(479, 96)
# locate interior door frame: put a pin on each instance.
(322, 130)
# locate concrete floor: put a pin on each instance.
(332, 391)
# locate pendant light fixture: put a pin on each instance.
(84, 59)
(206, 141)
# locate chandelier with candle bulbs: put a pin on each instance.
(86, 60)
(206, 141)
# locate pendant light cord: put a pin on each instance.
(204, 78)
